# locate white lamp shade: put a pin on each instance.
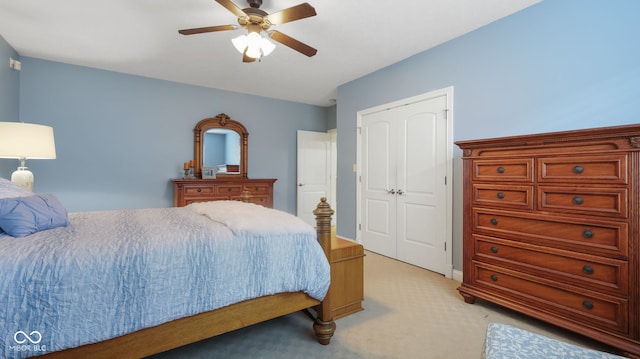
(25, 140)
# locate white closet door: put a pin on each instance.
(421, 195)
(378, 181)
(403, 190)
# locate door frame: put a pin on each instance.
(448, 92)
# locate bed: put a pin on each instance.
(161, 277)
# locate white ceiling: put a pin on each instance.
(141, 37)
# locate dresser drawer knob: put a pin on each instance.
(587, 304)
(500, 169)
(587, 233)
(587, 269)
(578, 169)
(494, 277)
(199, 189)
(578, 200)
(494, 249)
(500, 195)
(494, 221)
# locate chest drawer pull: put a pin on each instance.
(587, 304)
(199, 189)
(494, 221)
(494, 249)
(500, 169)
(578, 200)
(578, 169)
(587, 269)
(587, 233)
(494, 277)
(500, 195)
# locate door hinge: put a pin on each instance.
(445, 180)
(359, 226)
(445, 246)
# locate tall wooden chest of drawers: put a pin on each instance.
(551, 229)
(186, 191)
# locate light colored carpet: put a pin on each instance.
(409, 313)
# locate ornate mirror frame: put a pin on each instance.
(220, 121)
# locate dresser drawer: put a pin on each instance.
(586, 271)
(593, 169)
(603, 311)
(257, 188)
(592, 200)
(577, 234)
(200, 191)
(229, 189)
(518, 170)
(503, 196)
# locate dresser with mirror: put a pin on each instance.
(220, 166)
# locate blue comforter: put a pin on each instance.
(114, 272)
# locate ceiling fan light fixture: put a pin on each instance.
(256, 45)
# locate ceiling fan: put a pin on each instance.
(253, 46)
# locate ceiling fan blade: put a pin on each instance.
(292, 43)
(293, 13)
(201, 30)
(229, 5)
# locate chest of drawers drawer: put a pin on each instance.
(580, 200)
(582, 270)
(518, 170)
(603, 311)
(520, 197)
(610, 169)
(577, 234)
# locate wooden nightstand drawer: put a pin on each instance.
(592, 169)
(503, 196)
(519, 170)
(593, 200)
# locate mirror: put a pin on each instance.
(221, 143)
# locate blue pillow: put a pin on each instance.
(9, 189)
(22, 216)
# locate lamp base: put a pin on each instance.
(23, 177)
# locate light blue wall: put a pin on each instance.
(9, 96)
(558, 65)
(120, 138)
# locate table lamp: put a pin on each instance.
(26, 141)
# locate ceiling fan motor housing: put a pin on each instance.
(255, 3)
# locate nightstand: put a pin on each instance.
(347, 277)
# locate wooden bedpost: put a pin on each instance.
(324, 326)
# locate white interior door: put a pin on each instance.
(403, 193)
(378, 184)
(313, 172)
(421, 192)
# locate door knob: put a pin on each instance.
(300, 184)
(400, 193)
(391, 191)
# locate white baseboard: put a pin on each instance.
(457, 275)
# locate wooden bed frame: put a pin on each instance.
(201, 326)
